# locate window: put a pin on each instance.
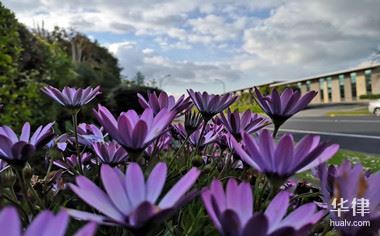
(308, 85)
(321, 88)
(368, 81)
(341, 86)
(329, 90)
(353, 85)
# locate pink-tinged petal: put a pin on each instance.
(277, 208)
(39, 224)
(180, 188)
(10, 224)
(276, 102)
(95, 197)
(115, 189)
(267, 145)
(156, 182)
(25, 133)
(135, 184)
(88, 230)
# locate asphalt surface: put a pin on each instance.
(361, 133)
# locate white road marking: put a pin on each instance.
(333, 120)
(330, 133)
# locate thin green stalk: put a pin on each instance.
(201, 135)
(75, 124)
(24, 190)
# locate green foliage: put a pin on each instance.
(30, 60)
(124, 97)
(370, 96)
(245, 102)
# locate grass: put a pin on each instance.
(357, 112)
(368, 161)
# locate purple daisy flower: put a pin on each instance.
(45, 223)
(72, 162)
(281, 107)
(164, 101)
(90, 133)
(349, 187)
(72, 97)
(16, 151)
(210, 104)
(110, 153)
(134, 132)
(231, 211)
(282, 160)
(211, 133)
(163, 143)
(129, 200)
(248, 122)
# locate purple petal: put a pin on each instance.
(135, 184)
(88, 230)
(10, 224)
(115, 189)
(180, 188)
(156, 182)
(95, 197)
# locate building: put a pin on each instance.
(344, 86)
(251, 89)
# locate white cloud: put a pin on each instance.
(253, 41)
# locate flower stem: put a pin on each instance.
(201, 136)
(75, 124)
(275, 131)
(24, 191)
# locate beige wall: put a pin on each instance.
(315, 86)
(360, 84)
(347, 89)
(335, 91)
(325, 92)
(375, 77)
(303, 89)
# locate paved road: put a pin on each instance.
(353, 133)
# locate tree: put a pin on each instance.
(140, 79)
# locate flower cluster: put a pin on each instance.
(140, 173)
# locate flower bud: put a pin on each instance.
(197, 161)
(27, 171)
(8, 178)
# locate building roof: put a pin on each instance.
(256, 85)
(327, 74)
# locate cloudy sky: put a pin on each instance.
(207, 44)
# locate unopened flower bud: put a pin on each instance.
(197, 161)
(8, 178)
(27, 171)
